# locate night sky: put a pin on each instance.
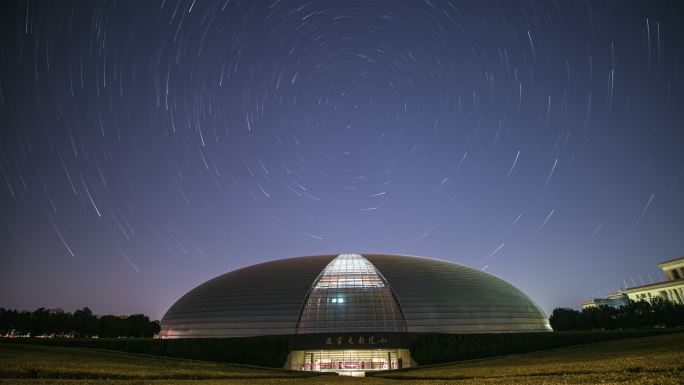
(148, 146)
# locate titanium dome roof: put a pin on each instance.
(352, 293)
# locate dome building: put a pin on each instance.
(352, 313)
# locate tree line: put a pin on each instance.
(658, 313)
(81, 323)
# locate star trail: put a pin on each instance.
(147, 146)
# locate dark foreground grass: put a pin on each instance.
(47, 362)
(655, 360)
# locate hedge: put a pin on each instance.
(267, 351)
(272, 351)
(433, 348)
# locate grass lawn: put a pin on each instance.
(655, 360)
(643, 360)
(35, 361)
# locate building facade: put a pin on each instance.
(672, 289)
(352, 313)
(614, 299)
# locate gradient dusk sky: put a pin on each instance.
(148, 146)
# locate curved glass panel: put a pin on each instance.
(444, 297)
(350, 295)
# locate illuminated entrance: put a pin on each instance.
(352, 362)
(350, 322)
(351, 357)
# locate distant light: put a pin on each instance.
(339, 300)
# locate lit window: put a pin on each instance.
(350, 278)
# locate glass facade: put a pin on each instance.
(336, 295)
(342, 361)
(350, 295)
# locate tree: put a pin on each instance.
(633, 315)
(8, 321)
(84, 323)
(564, 319)
(667, 313)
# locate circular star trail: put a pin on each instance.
(148, 146)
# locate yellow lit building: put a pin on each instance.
(672, 289)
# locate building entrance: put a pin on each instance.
(351, 362)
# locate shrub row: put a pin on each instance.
(433, 348)
(632, 315)
(272, 351)
(267, 351)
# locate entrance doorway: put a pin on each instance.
(351, 362)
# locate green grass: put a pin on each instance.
(434, 348)
(270, 351)
(33, 361)
(657, 360)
